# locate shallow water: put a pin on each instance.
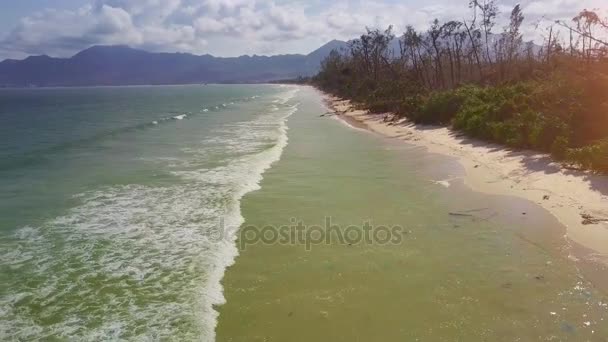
(496, 269)
(117, 207)
(112, 201)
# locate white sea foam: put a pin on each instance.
(444, 183)
(180, 117)
(140, 240)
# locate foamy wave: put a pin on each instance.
(248, 173)
(288, 95)
(127, 241)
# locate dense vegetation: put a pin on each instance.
(552, 98)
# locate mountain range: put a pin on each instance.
(122, 65)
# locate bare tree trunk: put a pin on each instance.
(571, 46)
(474, 47)
(550, 44)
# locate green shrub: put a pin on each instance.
(440, 107)
(593, 157)
(559, 148)
(410, 106)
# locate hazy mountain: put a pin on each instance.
(317, 56)
(122, 65)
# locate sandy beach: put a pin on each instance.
(578, 199)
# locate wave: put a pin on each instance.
(42, 155)
(248, 172)
(256, 166)
(129, 260)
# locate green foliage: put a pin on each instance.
(559, 148)
(439, 107)
(590, 157)
(555, 103)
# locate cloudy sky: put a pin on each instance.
(229, 27)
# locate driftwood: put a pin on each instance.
(588, 219)
(460, 214)
(467, 213)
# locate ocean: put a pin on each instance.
(112, 201)
(158, 213)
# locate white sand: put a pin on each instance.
(497, 170)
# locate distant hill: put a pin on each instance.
(122, 65)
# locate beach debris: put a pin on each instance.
(573, 167)
(324, 314)
(589, 219)
(539, 277)
(553, 313)
(476, 166)
(587, 324)
(460, 214)
(546, 197)
(469, 213)
(473, 210)
(524, 213)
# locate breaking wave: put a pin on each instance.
(137, 261)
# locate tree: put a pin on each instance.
(489, 11)
(513, 34)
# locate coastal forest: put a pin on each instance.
(485, 81)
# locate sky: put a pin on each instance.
(61, 28)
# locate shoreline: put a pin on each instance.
(486, 274)
(578, 199)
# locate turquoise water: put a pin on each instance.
(112, 199)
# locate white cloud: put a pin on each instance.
(232, 27)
